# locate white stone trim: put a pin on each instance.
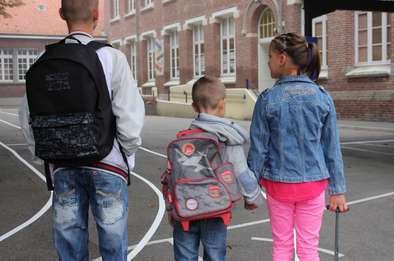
(132, 13)
(225, 79)
(167, 1)
(148, 34)
(370, 71)
(130, 38)
(149, 84)
(115, 19)
(148, 7)
(119, 41)
(292, 2)
(172, 83)
(230, 12)
(170, 28)
(193, 21)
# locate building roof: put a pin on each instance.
(40, 17)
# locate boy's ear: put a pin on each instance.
(61, 14)
(196, 108)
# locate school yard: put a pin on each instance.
(366, 232)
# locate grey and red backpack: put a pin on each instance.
(198, 183)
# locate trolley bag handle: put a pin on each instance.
(337, 212)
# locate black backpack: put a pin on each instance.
(70, 107)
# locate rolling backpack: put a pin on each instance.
(197, 183)
(70, 106)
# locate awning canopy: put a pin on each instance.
(315, 8)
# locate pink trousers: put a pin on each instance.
(306, 217)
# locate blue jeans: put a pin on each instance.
(75, 189)
(212, 233)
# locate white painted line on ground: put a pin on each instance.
(155, 225)
(323, 250)
(8, 113)
(364, 127)
(42, 211)
(153, 152)
(365, 142)
(369, 151)
(10, 124)
(370, 198)
(140, 245)
(17, 144)
(156, 221)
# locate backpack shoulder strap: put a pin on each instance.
(98, 45)
(189, 131)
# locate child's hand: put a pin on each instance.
(338, 201)
(249, 206)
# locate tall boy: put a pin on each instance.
(209, 102)
(104, 186)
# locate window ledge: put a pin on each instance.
(370, 71)
(132, 13)
(115, 19)
(174, 82)
(149, 84)
(167, 1)
(148, 7)
(323, 74)
(228, 79)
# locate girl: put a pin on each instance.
(295, 148)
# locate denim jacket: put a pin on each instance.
(294, 137)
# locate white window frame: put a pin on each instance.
(11, 67)
(324, 55)
(147, 4)
(132, 44)
(198, 66)
(29, 58)
(150, 52)
(174, 55)
(130, 7)
(385, 59)
(115, 10)
(227, 37)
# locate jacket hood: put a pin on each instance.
(226, 130)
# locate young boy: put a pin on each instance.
(208, 95)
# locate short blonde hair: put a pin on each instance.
(207, 92)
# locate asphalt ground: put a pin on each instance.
(366, 232)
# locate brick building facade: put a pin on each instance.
(172, 42)
(23, 37)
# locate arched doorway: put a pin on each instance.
(266, 31)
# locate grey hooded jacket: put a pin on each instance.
(234, 136)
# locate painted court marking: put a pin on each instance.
(139, 246)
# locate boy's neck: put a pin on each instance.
(80, 27)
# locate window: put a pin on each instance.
(130, 6)
(132, 46)
(6, 65)
(198, 50)
(373, 37)
(174, 55)
(148, 3)
(227, 46)
(320, 32)
(26, 57)
(267, 27)
(151, 58)
(115, 8)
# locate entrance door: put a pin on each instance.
(265, 80)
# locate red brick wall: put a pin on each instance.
(340, 27)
